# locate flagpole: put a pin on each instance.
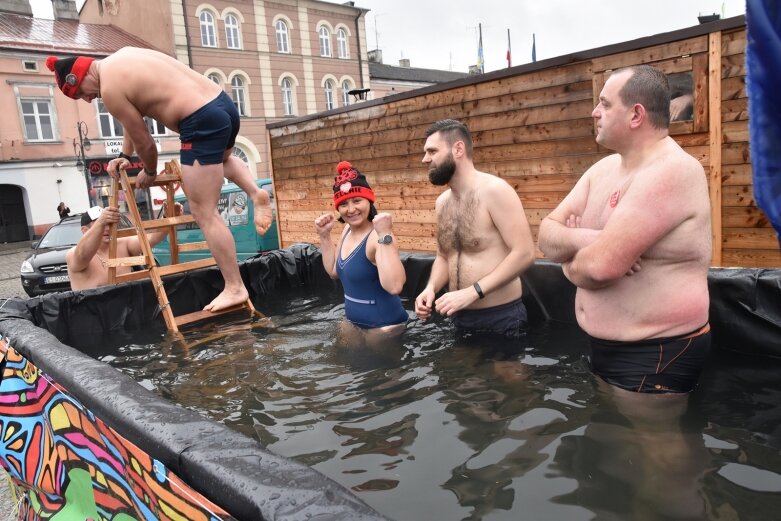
(509, 55)
(480, 59)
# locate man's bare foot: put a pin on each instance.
(227, 299)
(263, 215)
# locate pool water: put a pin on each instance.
(435, 428)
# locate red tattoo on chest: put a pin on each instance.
(614, 198)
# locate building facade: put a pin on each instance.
(280, 59)
(51, 147)
(388, 80)
(276, 60)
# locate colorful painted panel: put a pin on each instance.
(67, 464)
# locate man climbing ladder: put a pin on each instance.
(207, 122)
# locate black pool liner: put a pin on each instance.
(236, 472)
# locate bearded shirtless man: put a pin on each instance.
(88, 260)
(134, 83)
(634, 236)
(484, 242)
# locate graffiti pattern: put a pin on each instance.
(65, 463)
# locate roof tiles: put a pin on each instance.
(21, 32)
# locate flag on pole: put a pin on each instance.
(509, 57)
(534, 48)
(480, 60)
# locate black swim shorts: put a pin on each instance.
(507, 320)
(208, 132)
(657, 365)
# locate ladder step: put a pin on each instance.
(157, 224)
(193, 246)
(186, 266)
(161, 179)
(133, 275)
(196, 316)
(164, 222)
(128, 261)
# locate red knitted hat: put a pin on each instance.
(349, 183)
(69, 72)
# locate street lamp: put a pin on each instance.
(81, 158)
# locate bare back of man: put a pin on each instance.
(468, 236)
(158, 86)
(660, 210)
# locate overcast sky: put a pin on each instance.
(443, 34)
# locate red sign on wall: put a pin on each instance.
(99, 166)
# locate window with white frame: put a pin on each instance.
(37, 117)
(239, 95)
(346, 88)
(155, 127)
(208, 33)
(325, 41)
(232, 34)
(109, 126)
(241, 154)
(329, 94)
(341, 42)
(215, 78)
(287, 96)
(282, 37)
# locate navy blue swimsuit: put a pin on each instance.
(366, 303)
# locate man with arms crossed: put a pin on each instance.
(134, 83)
(88, 260)
(484, 242)
(634, 235)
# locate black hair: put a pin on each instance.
(452, 131)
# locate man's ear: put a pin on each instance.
(638, 115)
(459, 149)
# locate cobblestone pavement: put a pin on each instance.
(11, 257)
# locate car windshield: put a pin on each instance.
(63, 234)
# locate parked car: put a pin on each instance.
(45, 271)
(238, 212)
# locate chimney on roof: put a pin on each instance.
(16, 7)
(65, 10)
(375, 56)
(404, 62)
(705, 18)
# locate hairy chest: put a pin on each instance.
(460, 224)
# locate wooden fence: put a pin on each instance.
(532, 126)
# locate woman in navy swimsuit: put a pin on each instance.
(366, 260)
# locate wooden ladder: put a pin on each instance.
(168, 181)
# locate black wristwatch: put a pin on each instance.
(385, 239)
(151, 173)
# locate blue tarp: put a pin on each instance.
(763, 81)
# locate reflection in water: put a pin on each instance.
(635, 458)
(432, 427)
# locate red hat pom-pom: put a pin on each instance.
(343, 165)
(50, 61)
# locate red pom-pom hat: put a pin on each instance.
(350, 183)
(69, 72)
